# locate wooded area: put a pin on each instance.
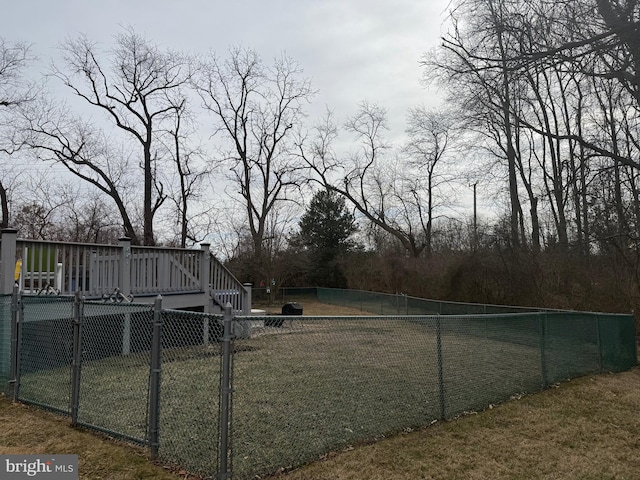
(540, 114)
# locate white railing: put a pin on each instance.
(226, 288)
(64, 268)
(100, 271)
(169, 270)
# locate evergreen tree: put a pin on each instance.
(326, 229)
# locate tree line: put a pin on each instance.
(539, 112)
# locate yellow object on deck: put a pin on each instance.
(16, 275)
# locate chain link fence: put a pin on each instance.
(300, 387)
(45, 352)
(190, 390)
(316, 385)
(133, 371)
(400, 304)
(114, 379)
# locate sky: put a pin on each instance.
(352, 50)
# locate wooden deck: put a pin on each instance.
(186, 278)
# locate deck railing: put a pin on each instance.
(117, 271)
(171, 270)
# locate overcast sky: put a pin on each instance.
(352, 50)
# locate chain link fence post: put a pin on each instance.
(225, 396)
(598, 327)
(441, 390)
(14, 368)
(76, 363)
(543, 353)
(154, 373)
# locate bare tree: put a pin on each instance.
(53, 134)
(531, 107)
(623, 58)
(14, 93)
(486, 89)
(190, 170)
(430, 133)
(390, 192)
(256, 109)
(88, 218)
(138, 87)
(39, 211)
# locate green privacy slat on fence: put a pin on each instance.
(618, 350)
(399, 304)
(616, 333)
(570, 345)
(5, 340)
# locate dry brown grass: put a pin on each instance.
(27, 430)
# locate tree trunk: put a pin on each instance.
(4, 204)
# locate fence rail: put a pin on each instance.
(400, 304)
(298, 387)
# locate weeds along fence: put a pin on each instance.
(240, 397)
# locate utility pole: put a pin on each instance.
(475, 219)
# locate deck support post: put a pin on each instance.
(8, 260)
(124, 282)
(246, 299)
(205, 274)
